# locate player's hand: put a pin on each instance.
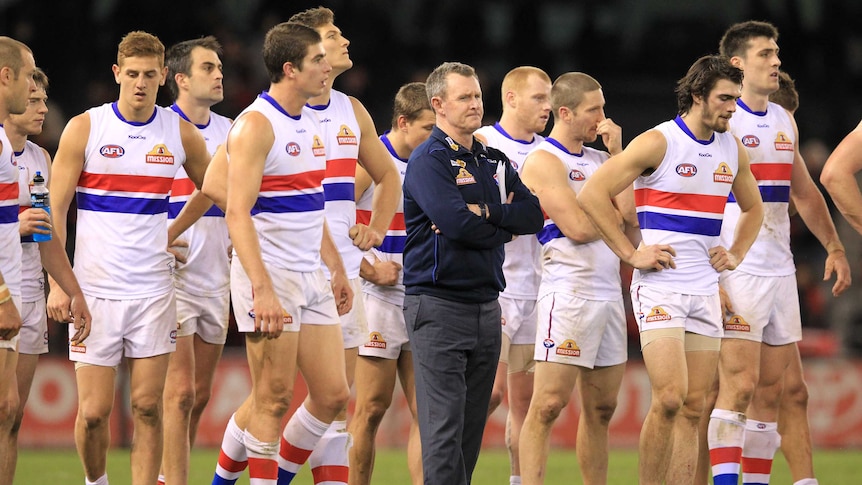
(836, 262)
(59, 305)
(81, 319)
(365, 237)
(612, 135)
(179, 248)
(721, 259)
(10, 320)
(34, 221)
(269, 315)
(655, 256)
(386, 273)
(726, 304)
(343, 293)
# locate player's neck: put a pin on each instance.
(289, 99)
(754, 100)
(197, 113)
(696, 126)
(137, 115)
(399, 144)
(515, 130)
(17, 139)
(323, 98)
(571, 144)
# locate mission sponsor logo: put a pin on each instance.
(375, 341)
(783, 142)
(751, 141)
(160, 155)
(657, 314)
(569, 349)
(464, 177)
(317, 147)
(686, 170)
(345, 136)
(112, 151)
(723, 174)
(737, 324)
(78, 349)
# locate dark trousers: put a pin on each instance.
(456, 347)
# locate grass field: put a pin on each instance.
(61, 467)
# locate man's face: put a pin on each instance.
(719, 105)
(760, 64)
(336, 48)
(30, 121)
(23, 85)
(532, 104)
(315, 71)
(139, 79)
(205, 80)
(418, 130)
(461, 107)
(587, 115)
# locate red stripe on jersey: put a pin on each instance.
(262, 468)
(397, 224)
(297, 181)
(772, 171)
(363, 216)
(230, 464)
(125, 183)
(341, 167)
(672, 200)
(292, 453)
(761, 466)
(730, 454)
(330, 473)
(183, 186)
(9, 191)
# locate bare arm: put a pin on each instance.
(644, 153)
(215, 179)
(839, 177)
(337, 274)
(197, 156)
(375, 159)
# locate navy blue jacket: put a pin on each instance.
(465, 261)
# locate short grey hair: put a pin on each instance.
(436, 82)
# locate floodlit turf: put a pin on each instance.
(61, 467)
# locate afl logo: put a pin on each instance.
(112, 151)
(751, 141)
(548, 343)
(292, 149)
(686, 170)
(577, 175)
(514, 164)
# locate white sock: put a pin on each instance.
(103, 480)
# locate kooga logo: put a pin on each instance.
(112, 151)
(686, 170)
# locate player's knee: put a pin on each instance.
(602, 412)
(16, 424)
(334, 401)
(549, 408)
(668, 402)
(182, 399)
(797, 394)
(372, 411)
(8, 411)
(146, 410)
(93, 417)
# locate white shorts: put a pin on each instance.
(137, 328)
(518, 320)
(387, 332)
(575, 331)
(354, 324)
(206, 316)
(34, 328)
(656, 308)
(13, 342)
(306, 297)
(766, 308)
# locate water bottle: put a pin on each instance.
(39, 200)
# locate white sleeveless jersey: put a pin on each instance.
(682, 204)
(392, 248)
(122, 194)
(341, 134)
(590, 271)
(769, 141)
(522, 267)
(206, 271)
(288, 215)
(30, 160)
(10, 239)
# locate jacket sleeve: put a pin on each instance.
(524, 214)
(432, 187)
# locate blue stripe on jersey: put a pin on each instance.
(770, 193)
(8, 214)
(122, 205)
(174, 209)
(289, 203)
(677, 223)
(339, 191)
(393, 244)
(549, 233)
